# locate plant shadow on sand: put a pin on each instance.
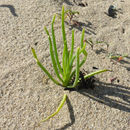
(113, 95)
(80, 25)
(67, 2)
(60, 2)
(126, 62)
(101, 50)
(72, 117)
(104, 91)
(11, 8)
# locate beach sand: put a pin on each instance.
(26, 93)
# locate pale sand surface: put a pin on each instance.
(27, 95)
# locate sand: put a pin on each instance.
(26, 93)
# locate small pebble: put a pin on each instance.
(112, 11)
(118, 80)
(95, 67)
(123, 30)
(35, 43)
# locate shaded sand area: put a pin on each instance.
(26, 93)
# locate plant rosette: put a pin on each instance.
(67, 70)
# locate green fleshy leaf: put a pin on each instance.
(58, 109)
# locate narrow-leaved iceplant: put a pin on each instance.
(65, 71)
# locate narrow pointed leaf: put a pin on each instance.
(52, 56)
(82, 38)
(44, 69)
(77, 68)
(63, 26)
(55, 48)
(94, 73)
(72, 46)
(65, 50)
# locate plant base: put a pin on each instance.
(88, 83)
